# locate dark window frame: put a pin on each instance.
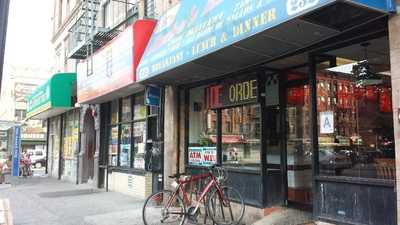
(186, 90)
(109, 125)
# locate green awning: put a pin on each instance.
(53, 97)
(33, 142)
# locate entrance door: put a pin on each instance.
(298, 144)
(90, 145)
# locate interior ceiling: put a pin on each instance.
(378, 54)
(279, 41)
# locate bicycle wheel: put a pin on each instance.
(227, 209)
(156, 212)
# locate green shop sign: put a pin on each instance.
(53, 97)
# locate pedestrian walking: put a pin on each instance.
(26, 165)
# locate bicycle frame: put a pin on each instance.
(181, 188)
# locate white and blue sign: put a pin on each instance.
(16, 151)
(326, 122)
(195, 28)
(152, 96)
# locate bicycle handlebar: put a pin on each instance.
(178, 175)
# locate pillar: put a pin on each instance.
(170, 133)
(394, 39)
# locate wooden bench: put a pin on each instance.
(5, 212)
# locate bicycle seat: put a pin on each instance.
(177, 175)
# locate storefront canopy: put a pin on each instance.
(198, 40)
(53, 97)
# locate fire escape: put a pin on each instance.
(87, 34)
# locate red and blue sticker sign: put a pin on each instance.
(202, 156)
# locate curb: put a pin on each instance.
(5, 212)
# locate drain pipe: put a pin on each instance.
(79, 147)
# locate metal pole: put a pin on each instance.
(313, 127)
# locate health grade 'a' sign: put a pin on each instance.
(202, 156)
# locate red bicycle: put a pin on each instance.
(223, 204)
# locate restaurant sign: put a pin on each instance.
(233, 92)
(202, 156)
(193, 29)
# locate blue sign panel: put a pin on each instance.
(16, 151)
(194, 28)
(383, 5)
(152, 96)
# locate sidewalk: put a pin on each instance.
(46, 201)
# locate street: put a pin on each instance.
(47, 201)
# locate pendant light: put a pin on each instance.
(362, 71)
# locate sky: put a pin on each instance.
(28, 41)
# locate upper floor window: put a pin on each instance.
(20, 114)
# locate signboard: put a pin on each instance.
(114, 65)
(326, 122)
(152, 96)
(56, 92)
(39, 100)
(202, 156)
(233, 92)
(16, 150)
(193, 29)
(112, 68)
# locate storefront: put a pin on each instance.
(119, 129)
(294, 100)
(54, 101)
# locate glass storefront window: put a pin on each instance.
(139, 109)
(114, 112)
(70, 143)
(356, 136)
(139, 144)
(54, 145)
(126, 109)
(202, 126)
(128, 135)
(241, 133)
(113, 146)
(125, 146)
(202, 129)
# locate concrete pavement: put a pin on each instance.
(46, 201)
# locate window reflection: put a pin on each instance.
(241, 130)
(203, 121)
(113, 146)
(126, 109)
(125, 146)
(202, 129)
(140, 109)
(139, 139)
(360, 143)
